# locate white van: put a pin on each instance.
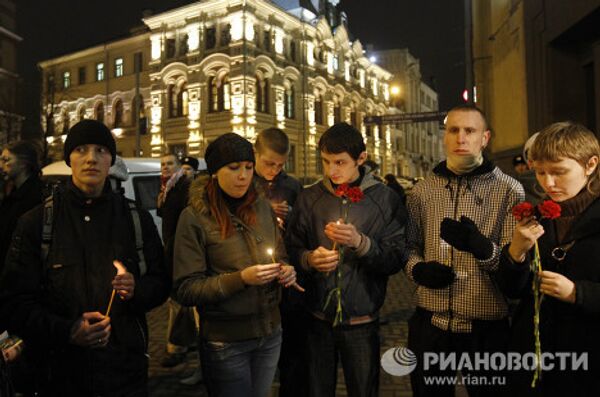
(143, 184)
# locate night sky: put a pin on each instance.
(52, 28)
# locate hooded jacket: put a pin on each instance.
(486, 195)
(207, 270)
(379, 217)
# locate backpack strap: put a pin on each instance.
(139, 241)
(47, 226)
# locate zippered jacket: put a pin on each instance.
(486, 195)
(207, 270)
(379, 217)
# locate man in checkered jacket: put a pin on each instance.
(459, 219)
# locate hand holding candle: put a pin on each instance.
(123, 284)
(288, 275)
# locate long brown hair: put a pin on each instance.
(219, 210)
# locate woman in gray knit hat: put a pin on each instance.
(230, 263)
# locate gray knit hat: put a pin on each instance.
(228, 148)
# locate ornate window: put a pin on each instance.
(99, 112)
(225, 35)
(178, 100)
(219, 94)
(289, 102)
(118, 112)
(262, 95)
(267, 40)
(211, 38)
(319, 108)
(337, 112)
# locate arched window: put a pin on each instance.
(99, 111)
(262, 95)
(337, 112)
(288, 103)
(118, 112)
(224, 94)
(178, 100)
(319, 108)
(66, 122)
(219, 94)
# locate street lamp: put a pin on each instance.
(395, 90)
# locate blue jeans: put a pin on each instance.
(358, 348)
(244, 368)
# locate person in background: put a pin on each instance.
(525, 175)
(459, 218)
(392, 183)
(229, 264)
(271, 151)
(20, 168)
(373, 168)
(172, 199)
(565, 158)
(67, 260)
(189, 165)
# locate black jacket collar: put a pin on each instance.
(486, 167)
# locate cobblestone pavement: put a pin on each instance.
(394, 330)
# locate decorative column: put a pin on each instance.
(194, 107)
(155, 121)
(279, 105)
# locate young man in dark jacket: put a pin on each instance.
(347, 247)
(56, 287)
(271, 151)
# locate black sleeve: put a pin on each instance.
(297, 234)
(21, 288)
(388, 254)
(151, 289)
(513, 279)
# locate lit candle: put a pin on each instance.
(120, 270)
(271, 253)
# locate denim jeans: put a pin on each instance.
(244, 368)
(357, 346)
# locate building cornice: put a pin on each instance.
(76, 56)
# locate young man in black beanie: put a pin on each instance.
(65, 259)
(353, 243)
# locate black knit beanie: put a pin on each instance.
(228, 148)
(88, 132)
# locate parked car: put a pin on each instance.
(142, 185)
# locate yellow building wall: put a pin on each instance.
(499, 66)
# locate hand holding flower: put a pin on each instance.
(557, 286)
(343, 233)
(526, 233)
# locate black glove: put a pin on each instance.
(433, 274)
(465, 236)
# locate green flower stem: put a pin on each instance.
(537, 303)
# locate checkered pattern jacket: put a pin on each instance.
(486, 195)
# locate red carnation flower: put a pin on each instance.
(355, 194)
(523, 210)
(549, 209)
(342, 190)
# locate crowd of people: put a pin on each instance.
(263, 275)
